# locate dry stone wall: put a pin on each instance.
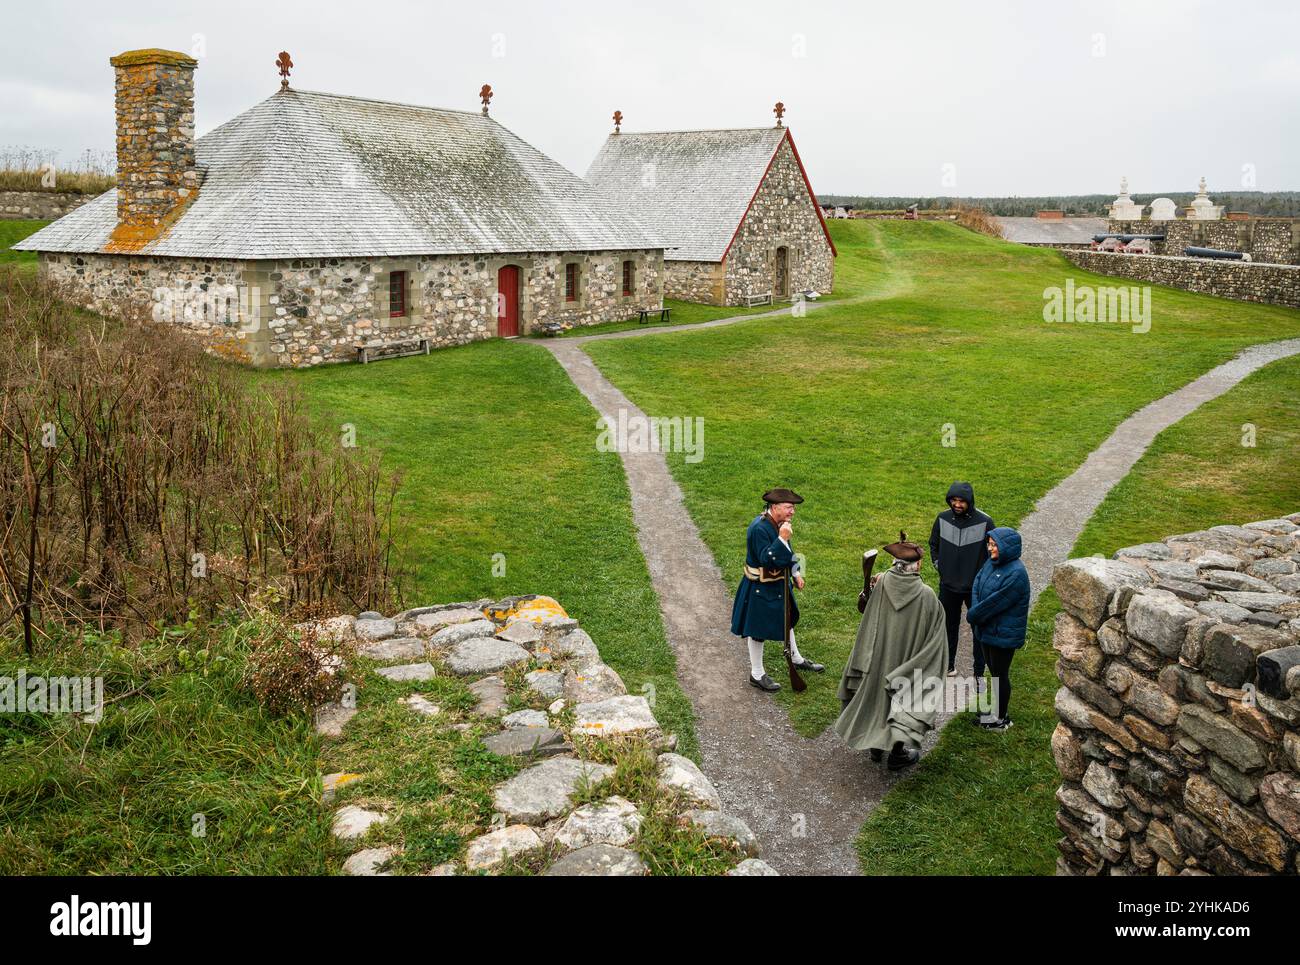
(39, 205)
(1179, 736)
(1242, 281)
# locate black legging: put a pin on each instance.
(952, 601)
(999, 660)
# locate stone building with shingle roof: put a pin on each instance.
(734, 208)
(313, 224)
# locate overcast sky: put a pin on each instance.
(899, 98)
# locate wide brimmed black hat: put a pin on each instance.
(782, 495)
(905, 549)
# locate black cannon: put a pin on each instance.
(1127, 238)
(1191, 252)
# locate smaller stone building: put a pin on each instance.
(313, 225)
(734, 207)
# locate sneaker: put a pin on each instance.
(952, 671)
(997, 725)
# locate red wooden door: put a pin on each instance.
(508, 301)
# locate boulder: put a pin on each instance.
(680, 774)
(408, 671)
(330, 784)
(1158, 621)
(1214, 560)
(1068, 753)
(1086, 585)
(427, 624)
(543, 791)
(578, 646)
(1072, 710)
(1077, 644)
(1223, 612)
(1232, 580)
(1220, 736)
(331, 718)
(604, 860)
(548, 684)
(492, 695)
(421, 705)
(369, 863)
(1144, 551)
(351, 821)
(395, 648)
(1100, 781)
(753, 868)
(484, 655)
(1280, 794)
(369, 631)
(1146, 697)
(523, 632)
(612, 821)
(334, 630)
(726, 827)
(617, 715)
(450, 636)
(495, 848)
(1179, 570)
(1239, 828)
(525, 718)
(1231, 651)
(1271, 602)
(596, 681)
(526, 741)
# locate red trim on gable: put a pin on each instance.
(807, 184)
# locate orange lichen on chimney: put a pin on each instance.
(156, 174)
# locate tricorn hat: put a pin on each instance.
(905, 549)
(782, 495)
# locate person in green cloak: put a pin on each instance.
(887, 690)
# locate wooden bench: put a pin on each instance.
(665, 314)
(392, 350)
(763, 299)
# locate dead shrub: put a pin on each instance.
(292, 670)
(978, 219)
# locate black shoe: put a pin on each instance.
(803, 663)
(764, 683)
(900, 758)
(997, 725)
(877, 754)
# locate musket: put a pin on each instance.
(796, 682)
(868, 562)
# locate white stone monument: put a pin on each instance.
(1163, 209)
(1125, 208)
(1203, 209)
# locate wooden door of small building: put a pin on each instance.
(781, 284)
(508, 301)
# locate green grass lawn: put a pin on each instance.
(504, 492)
(940, 330)
(12, 232)
(984, 803)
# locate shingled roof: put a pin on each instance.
(311, 175)
(691, 188)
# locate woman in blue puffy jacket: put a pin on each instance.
(999, 613)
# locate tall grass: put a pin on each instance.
(28, 169)
(141, 481)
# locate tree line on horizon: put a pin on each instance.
(1276, 204)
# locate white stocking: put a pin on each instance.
(755, 658)
(794, 649)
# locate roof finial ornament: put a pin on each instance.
(284, 64)
(618, 120)
(485, 95)
(779, 111)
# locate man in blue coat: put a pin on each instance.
(999, 614)
(770, 568)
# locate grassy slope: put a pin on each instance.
(983, 803)
(848, 405)
(498, 453)
(12, 232)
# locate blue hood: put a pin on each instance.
(1008, 541)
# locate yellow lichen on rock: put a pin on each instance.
(538, 610)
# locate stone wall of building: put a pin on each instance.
(306, 312)
(1273, 241)
(1179, 736)
(694, 281)
(783, 214)
(1243, 281)
(39, 205)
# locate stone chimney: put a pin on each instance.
(156, 176)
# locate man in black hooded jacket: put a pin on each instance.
(958, 547)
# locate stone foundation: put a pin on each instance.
(1179, 736)
(301, 313)
(1242, 281)
(695, 281)
(39, 205)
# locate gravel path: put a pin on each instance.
(807, 799)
